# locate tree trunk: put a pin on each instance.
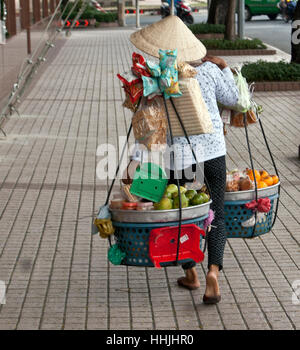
(230, 21)
(217, 11)
(223, 12)
(296, 36)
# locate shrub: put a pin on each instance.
(89, 13)
(271, 71)
(106, 17)
(238, 44)
(206, 28)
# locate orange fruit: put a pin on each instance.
(275, 179)
(268, 180)
(263, 173)
(250, 174)
(262, 184)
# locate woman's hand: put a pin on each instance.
(216, 60)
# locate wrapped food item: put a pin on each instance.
(128, 104)
(129, 205)
(169, 73)
(237, 119)
(144, 206)
(151, 87)
(245, 184)
(153, 69)
(150, 124)
(132, 85)
(139, 66)
(116, 203)
(185, 70)
(232, 185)
(237, 180)
(192, 110)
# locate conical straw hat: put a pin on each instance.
(168, 34)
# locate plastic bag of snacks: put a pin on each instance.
(186, 71)
(151, 87)
(150, 124)
(139, 66)
(169, 73)
(237, 180)
(132, 85)
(128, 104)
(237, 118)
(153, 69)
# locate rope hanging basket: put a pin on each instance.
(133, 229)
(242, 222)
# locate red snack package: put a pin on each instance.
(137, 58)
(132, 85)
(139, 65)
(134, 91)
(128, 78)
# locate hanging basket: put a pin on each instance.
(235, 211)
(133, 239)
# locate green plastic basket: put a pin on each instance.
(149, 182)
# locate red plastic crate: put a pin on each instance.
(163, 244)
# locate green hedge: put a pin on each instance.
(205, 28)
(106, 17)
(271, 71)
(90, 13)
(238, 44)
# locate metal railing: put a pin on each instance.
(31, 64)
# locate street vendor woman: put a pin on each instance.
(217, 85)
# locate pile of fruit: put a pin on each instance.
(263, 178)
(237, 180)
(189, 198)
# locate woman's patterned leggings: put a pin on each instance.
(215, 174)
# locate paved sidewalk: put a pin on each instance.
(57, 274)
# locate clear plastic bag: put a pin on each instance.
(150, 124)
(237, 118)
(185, 70)
(244, 101)
(237, 180)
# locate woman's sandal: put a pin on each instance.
(211, 300)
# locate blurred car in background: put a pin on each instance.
(261, 7)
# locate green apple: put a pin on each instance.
(182, 191)
(184, 201)
(197, 199)
(205, 197)
(190, 194)
(164, 204)
(171, 188)
(167, 195)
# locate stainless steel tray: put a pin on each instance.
(159, 215)
(250, 195)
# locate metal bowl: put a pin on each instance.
(121, 215)
(250, 195)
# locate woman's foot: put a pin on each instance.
(212, 291)
(190, 281)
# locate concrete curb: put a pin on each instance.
(277, 86)
(258, 52)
